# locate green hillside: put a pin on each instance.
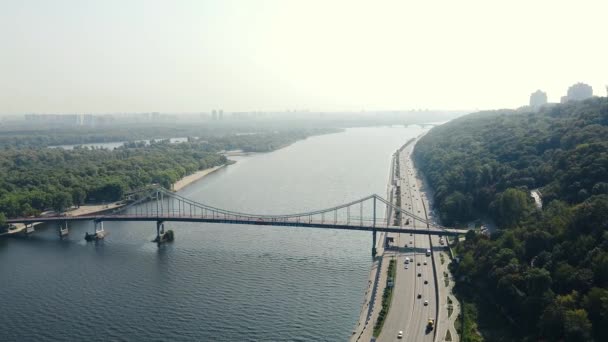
(545, 271)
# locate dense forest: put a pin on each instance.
(36, 136)
(33, 180)
(544, 274)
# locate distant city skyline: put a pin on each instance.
(70, 56)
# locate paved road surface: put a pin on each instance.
(408, 313)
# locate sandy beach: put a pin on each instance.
(182, 183)
(91, 209)
(98, 208)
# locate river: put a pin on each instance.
(215, 282)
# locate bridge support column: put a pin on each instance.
(98, 232)
(374, 252)
(160, 231)
(29, 228)
(374, 243)
(160, 228)
(63, 229)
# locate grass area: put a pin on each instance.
(442, 258)
(448, 336)
(450, 307)
(458, 325)
(468, 325)
(387, 296)
(446, 279)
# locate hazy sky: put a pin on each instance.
(190, 56)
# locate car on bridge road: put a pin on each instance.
(426, 303)
(400, 334)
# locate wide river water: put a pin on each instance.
(215, 282)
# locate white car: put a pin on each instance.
(425, 262)
(407, 267)
(400, 334)
(426, 303)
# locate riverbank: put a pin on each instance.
(182, 183)
(93, 209)
(234, 259)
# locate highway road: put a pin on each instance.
(408, 312)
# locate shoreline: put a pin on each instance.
(192, 178)
(372, 297)
(368, 315)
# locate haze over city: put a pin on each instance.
(191, 56)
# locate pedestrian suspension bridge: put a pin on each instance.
(157, 204)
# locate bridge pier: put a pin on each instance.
(161, 234)
(63, 229)
(374, 252)
(98, 232)
(160, 229)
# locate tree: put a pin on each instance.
(2, 220)
(511, 206)
(456, 207)
(536, 242)
(538, 281)
(60, 201)
(596, 304)
(78, 196)
(577, 326)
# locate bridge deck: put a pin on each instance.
(236, 220)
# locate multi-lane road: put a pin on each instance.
(414, 284)
(415, 281)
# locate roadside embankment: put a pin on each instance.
(445, 320)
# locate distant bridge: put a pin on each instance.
(160, 205)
